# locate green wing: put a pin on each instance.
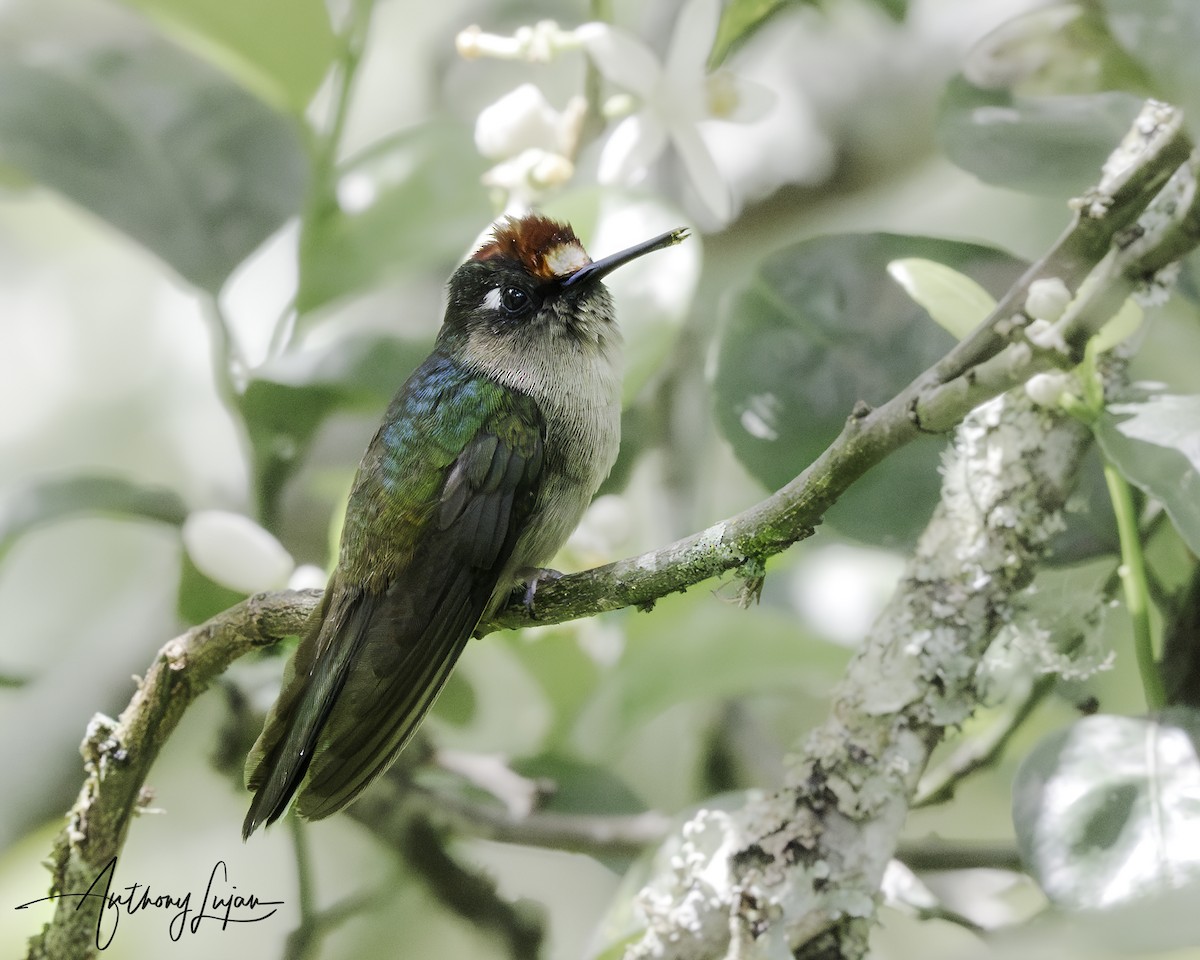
(382, 644)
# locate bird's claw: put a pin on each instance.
(533, 578)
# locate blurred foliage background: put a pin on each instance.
(225, 230)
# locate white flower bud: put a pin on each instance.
(1047, 299)
(236, 552)
(1045, 389)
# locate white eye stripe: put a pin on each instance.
(491, 300)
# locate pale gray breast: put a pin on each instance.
(577, 386)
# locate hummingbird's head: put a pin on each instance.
(532, 281)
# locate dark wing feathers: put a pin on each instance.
(365, 676)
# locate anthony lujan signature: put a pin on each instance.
(221, 903)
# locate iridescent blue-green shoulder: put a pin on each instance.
(443, 415)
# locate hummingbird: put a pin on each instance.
(483, 465)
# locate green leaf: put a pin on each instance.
(1155, 443)
(56, 498)
(1163, 35)
(693, 649)
(956, 302)
(1044, 145)
(740, 19)
(159, 144)
(410, 203)
(578, 786)
(1124, 324)
(245, 38)
(201, 597)
(1105, 814)
(820, 327)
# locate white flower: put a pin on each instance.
(236, 552)
(533, 142)
(675, 97)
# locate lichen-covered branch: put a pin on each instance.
(797, 873)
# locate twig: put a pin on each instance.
(468, 894)
(597, 834)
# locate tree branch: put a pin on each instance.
(799, 871)
(117, 755)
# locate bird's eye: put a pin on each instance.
(514, 300)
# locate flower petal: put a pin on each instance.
(621, 57)
(522, 119)
(235, 551)
(738, 99)
(634, 144)
(692, 41)
(706, 178)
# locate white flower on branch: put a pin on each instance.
(532, 141)
(673, 98)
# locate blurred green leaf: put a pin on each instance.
(1105, 815)
(1164, 36)
(290, 397)
(246, 37)
(741, 18)
(1155, 443)
(1091, 527)
(566, 673)
(1052, 50)
(956, 302)
(819, 327)
(1044, 145)
(199, 596)
(162, 146)
(56, 498)
(697, 648)
(1124, 324)
(579, 787)
(411, 202)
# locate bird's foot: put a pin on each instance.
(533, 577)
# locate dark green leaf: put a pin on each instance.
(411, 202)
(1164, 35)
(55, 498)
(289, 398)
(157, 143)
(1044, 145)
(579, 787)
(1105, 814)
(248, 35)
(695, 649)
(1155, 443)
(820, 327)
(200, 597)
